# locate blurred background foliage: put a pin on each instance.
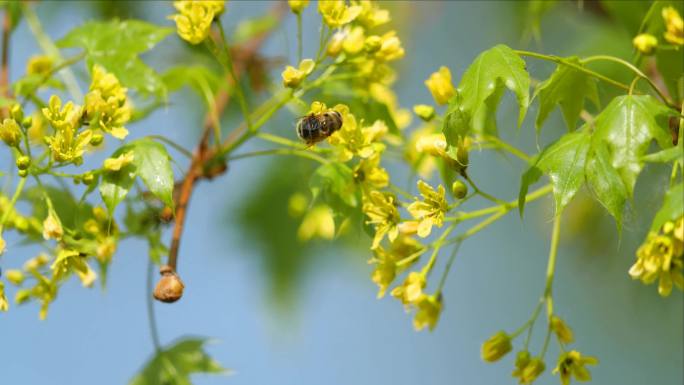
(243, 247)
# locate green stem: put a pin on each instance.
(447, 268)
(534, 195)
(299, 38)
(171, 143)
(553, 253)
(505, 146)
(560, 60)
(280, 151)
(152, 319)
(633, 69)
(480, 192)
(437, 246)
(238, 86)
(10, 207)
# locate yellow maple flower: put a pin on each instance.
(674, 26)
(661, 257)
(439, 84)
(429, 308)
(645, 43)
(4, 304)
(382, 215)
(562, 330)
(431, 210)
(496, 347)
(106, 104)
(390, 48)
(39, 65)
(371, 14)
(297, 6)
(337, 13)
(369, 174)
(411, 290)
(573, 364)
(193, 23)
(318, 222)
(52, 226)
(403, 252)
(10, 132)
(121, 161)
(292, 77)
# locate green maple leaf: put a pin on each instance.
(481, 89)
(568, 88)
(605, 182)
(175, 364)
(564, 162)
(627, 126)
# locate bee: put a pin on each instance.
(313, 128)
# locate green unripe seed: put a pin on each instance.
(17, 112)
(88, 178)
(23, 162)
(27, 122)
(97, 139)
(459, 189)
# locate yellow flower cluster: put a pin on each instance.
(367, 52)
(674, 26)
(661, 257)
(193, 22)
(106, 104)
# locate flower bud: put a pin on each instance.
(52, 227)
(563, 332)
(17, 112)
(22, 173)
(297, 6)
(23, 162)
(170, 287)
(10, 133)
(372, 44)
(88, 178)
(16, 277)
(459, 189)
(22, 296)
(27, 122)
(96, 139)
(496, 347)
(439, 85)
(335, 45)
(645, 43)
(166, 214)
(424, 111)
(532, 370)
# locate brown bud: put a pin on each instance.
(166, 214)
(170, 287)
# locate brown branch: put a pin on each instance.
(203, 153)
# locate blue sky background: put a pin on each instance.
(335, 331)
